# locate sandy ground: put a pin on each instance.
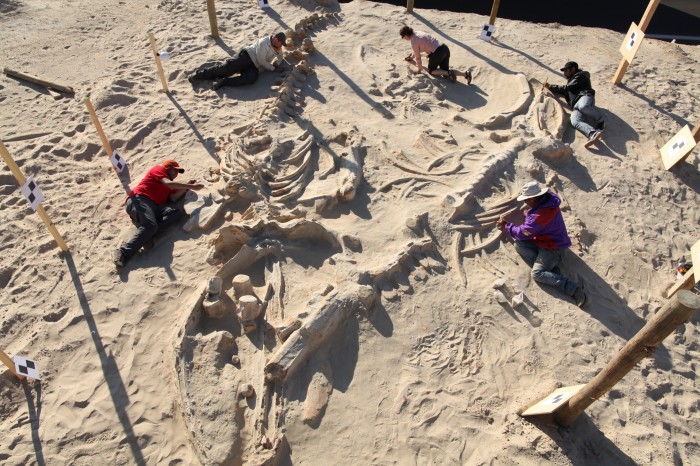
(357, 198)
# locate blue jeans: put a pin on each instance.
(542, 261)
(585, 110)
(149, 217)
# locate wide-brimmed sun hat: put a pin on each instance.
(531, 189)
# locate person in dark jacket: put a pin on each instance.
(580, 96)
(542, 239)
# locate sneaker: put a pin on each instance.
(579, 297)
(453, 76)
(192, 78)
(595, 137)
(468, 76)
(120, 258)
(216, 85)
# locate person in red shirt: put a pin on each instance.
(150, 206)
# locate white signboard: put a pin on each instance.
(695, 254)
(553, 401)
(487, 32)
(264, 3)
(678, 147)
(26, 367)
(632, 41)
(118, 161)
(30, 190)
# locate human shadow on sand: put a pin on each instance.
(582, 442)
(110, 368)
(208, 145)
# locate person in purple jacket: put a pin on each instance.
(542, 239)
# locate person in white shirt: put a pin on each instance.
(246, 65)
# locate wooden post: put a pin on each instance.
(646, 19)
(40, 209)
(158, 63)
(674, 313)
(696, 132)
(9, 363)
(98, 126)
(211, 8)
(409, 6)
(494, 11)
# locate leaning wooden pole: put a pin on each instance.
(211, 9)
(646, 19)
(696, 132)
(674, 313)
(158, 63)
(19, 176)
(98, 126)
(494, 11)
(409, 6)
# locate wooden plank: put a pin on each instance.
(409, 5)
(9, 363)
(553, 401)
(98, 126)
(39, 81)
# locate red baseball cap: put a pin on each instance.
(170, 163)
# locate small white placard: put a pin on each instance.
(632, 41)
(264, 3)
(30, 190)
(695, 254)
(487, 32)
(678, 147)
(118, 161)
(553, 401)
(26, 367)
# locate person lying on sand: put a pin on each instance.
(150, 206)
(246, 64)
(580, 96)
(542, 239)
(438, 55)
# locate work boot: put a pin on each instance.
(579, 297)
(120, 258)
(468, 77)
(216, 85)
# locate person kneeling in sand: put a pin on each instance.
(438, 55)
(247, 64)
(150, 206)
(542, 240)
(580, 96)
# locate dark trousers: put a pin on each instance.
(241, 64)
(440, 58)
(542, 261)
(149, 218)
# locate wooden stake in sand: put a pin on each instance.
(9, 363)
(489, 28)
(39, 81)
(40, 209)
(646, 19)
(674, 313)
(409, 6)
(158, 63)
(98, 126)
(211, 9)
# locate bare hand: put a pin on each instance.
(279, 68)
(194, 185)
(409, 57)
(501, 223)
(545, 85)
